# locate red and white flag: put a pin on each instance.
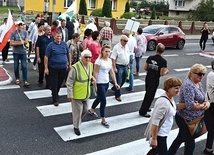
(9, 28)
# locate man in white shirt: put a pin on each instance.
(120, 61)
(132, 44)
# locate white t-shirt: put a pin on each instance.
(167, 125)
(132, 43)
(104, 68)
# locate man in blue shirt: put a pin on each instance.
(57, 59)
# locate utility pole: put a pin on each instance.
(53, 9)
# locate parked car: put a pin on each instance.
(213, 37)
(170, 36)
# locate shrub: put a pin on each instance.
(82, 8)
(97, 12)
(106, 10)
(128, 15)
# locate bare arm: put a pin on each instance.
(46, 65)
(146, 67)
(153, 142)
(164, 71)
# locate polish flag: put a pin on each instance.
(9, 28)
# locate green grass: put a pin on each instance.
(4, 9)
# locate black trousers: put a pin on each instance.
(203, 40)
(41, 68)
(151, 88)
(161, 148)
(209, 122)
(5, 51)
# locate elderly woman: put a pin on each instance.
(161, 121)
(78, 88)
(192, 94)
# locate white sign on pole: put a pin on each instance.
(132, 25)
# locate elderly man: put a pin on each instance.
(155, 66)
(18, 40)
(120, 61)
(106, 34)
(78, 88)
(57, 59)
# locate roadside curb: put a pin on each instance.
(5, 78)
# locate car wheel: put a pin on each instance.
(180, 44)
(151, 45)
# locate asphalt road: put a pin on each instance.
(26, 131)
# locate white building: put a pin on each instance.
(181, 8)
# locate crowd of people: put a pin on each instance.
(85, 66)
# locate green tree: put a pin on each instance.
(127, 7)
(204, 11)
(97, 13)
(106, 10)
(83, 7)
(153, 16)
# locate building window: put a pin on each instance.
(92, 4)
(67, 3)
(113, 5)
(180, 3)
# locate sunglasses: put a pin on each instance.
(200, 74)
(125, 41)
(87, 57)
(20, 24)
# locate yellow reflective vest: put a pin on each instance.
(81, 87)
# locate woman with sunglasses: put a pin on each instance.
(192, 94)
(102, 67)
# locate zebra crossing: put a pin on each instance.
(93, 127)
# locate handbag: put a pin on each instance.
(196, 127)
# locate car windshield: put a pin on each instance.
(151, 29)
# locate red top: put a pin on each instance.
(95, 51)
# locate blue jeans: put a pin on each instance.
(183, 136)
(57, 77)
(161, 148)
(121, 78)
(23, 59)
(101, 98)
(131, 78)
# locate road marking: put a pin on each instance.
(171, 55)
(64, 108)
(94, 127)
(9, 87)
(37, 94)
(140, 147)
(192, 53)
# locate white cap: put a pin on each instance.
(133, 18)
(19, 22)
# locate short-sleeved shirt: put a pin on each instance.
(132, 44)
(104, 68)
(141, 45)
(155, 63)
(86, 42)
(189, 93)
(120, 54)
(95, 51)
(19, 36)
(42, 43)
(57, 54)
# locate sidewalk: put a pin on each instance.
(5, 78)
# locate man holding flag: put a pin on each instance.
(7, 28)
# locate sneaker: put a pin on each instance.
(77, 131)
(3, 62)
(94, 114)
(7, 60)
(106, 125)
(34, 67)
(28, 59)
(26, 84)
(208, 152)
(129, 89)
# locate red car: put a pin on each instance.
(170, 36)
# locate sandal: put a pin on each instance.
(26, 84)
(17, 81)
(105, 124)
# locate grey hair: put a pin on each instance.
(107, 23)
(124, 37)
(85, 52)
